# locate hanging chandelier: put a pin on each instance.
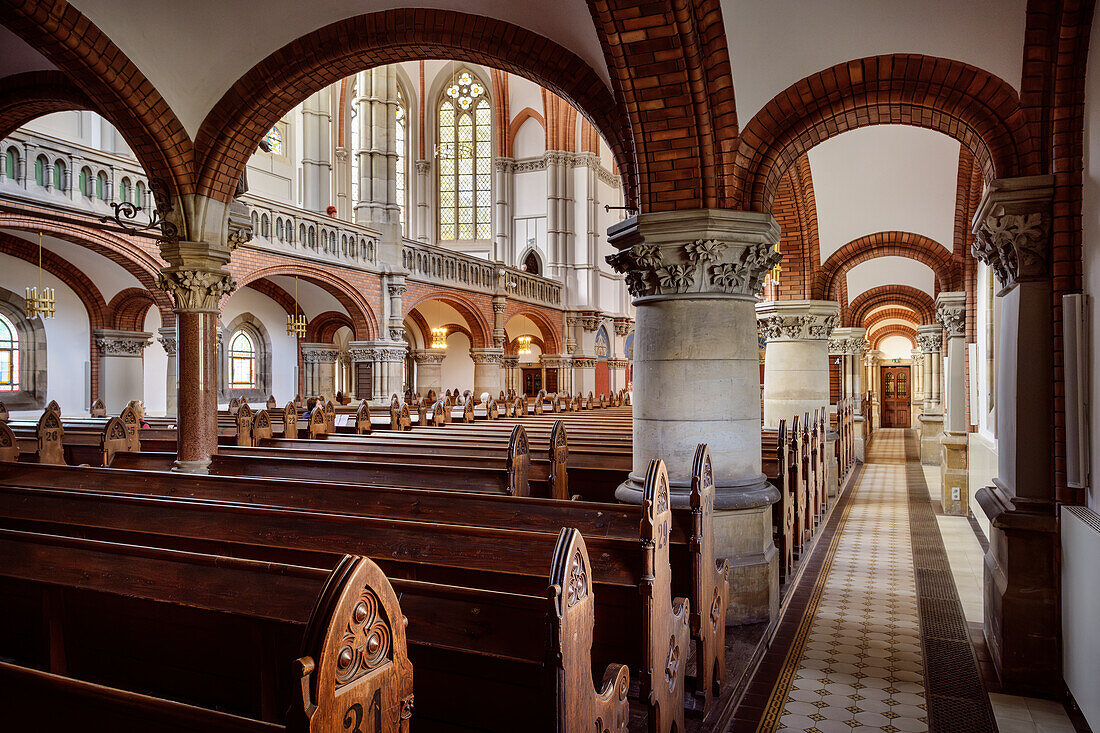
(439, 338)
(296, 322)
(773, 274)
(523, 345)
(43, 305)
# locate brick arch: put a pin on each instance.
(364, 324)
(459, 328)
(122, 94)
(906, 296)
(479, 329)
(893, 329)
(274, 292)
(322, 329)
(129, 254)
(897, 313)
(244, 114)
(422, 326)
(127, 310)
(512, 347)
(513, 128)
(976, 108)
(829, 281)
(669, 65)
(550, 335)
(32, 94)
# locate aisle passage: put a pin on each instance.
(856, 661)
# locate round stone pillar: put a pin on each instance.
(929, 338)
(429, 370)
(796, 361)
(196, 293)
(487, 373)
(694, 276)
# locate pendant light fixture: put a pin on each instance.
(296, 322)
(439, 338)
(40, 301)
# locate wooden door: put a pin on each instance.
(896, 397)
(364, 380)
(532, 381)
(603, 378)
(551, 381)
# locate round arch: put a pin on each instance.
(978, 109)
(475, 323)
(890, 314)
(242, 117)
(829, 281)
(322, 329)
(546, 328)
(892, 329)
(127, 310)
(918, 301)
(364, 323)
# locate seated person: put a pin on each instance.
(311, 405)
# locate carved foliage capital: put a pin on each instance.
(319, 356)
(120, 343)
(953, 318)
(486, 357)
(929, 343)
(429, 357)
(701, 266)
(811, 327)
(196, 290)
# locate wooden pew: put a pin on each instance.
(776, 464)
(195, 593)
(630, 579)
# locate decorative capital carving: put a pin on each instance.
(397, 333)
(397, 289)
(584, 363)
(1012, 229)
(429, 357)
(617, 363)
(486, 356)
(423, 167)
(392, 354)
(360, 354)
(319, 355)
(196, 290)
(622, 326)
(798, 327)
(590, 321)
(951, 313)
(122, 343)
(499, 307)
(930, 340)
(701, 266)
(167, 340)
(505, 165)
(509, 362)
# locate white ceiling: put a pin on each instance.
(313, 299)
(896, 347)
(108, 276)
(890, 271)
(194, 51)
(776, 43)
(884, 178)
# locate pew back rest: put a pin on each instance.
(244, 424)
(290, 420)
(9, 447)
(362, 419)
(50, 434)
(98, 409)
(318, 426)
(261, 427)
(133, 428)
(115, 440)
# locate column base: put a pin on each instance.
(1021, 623)
(931, 428)
(859, 447)
(743, 535)
(191, 466)
(954, 474)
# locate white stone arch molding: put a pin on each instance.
(32, 355)
(262, 341)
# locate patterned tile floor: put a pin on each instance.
(861, 668)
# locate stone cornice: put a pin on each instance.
(1012, 228)
(121, 343)
(797, 320)
(951, 312)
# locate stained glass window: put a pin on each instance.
(40, 165)
(465, 160)
(11, 164)
(242, 361)
(602, 346)
(101, 186)
(9, 356)
(401, 135)
(274, 140)
(86, 182)
(58, 175)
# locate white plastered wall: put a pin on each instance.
(284, 348)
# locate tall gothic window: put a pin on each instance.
(9, 356)
(401, 138)
(465, 160)
(242, 361)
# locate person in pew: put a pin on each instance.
(139, 408)
(311, 405)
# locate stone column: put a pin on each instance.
(391, 358)
(917, 358)
(487, 374)
(951, 313)
(796, 362)
(196, 292)
(931, 421)
(850, 343)
(360, 352)
(500, 336)
(320, 366)
(316, 152)
(121, 368)
(694, 276)
(510, 365)
(504, 249)
(424, 231)
(1013, 235)
(167, 339)
(429, 370)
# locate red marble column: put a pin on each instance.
(197, 406)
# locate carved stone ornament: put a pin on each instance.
(499, 307)
(122, 343)
(486, 357)
(319, 356)
(801, 328)
(617, 363)
(929, 343)
(856, 346)
(423, 167)
(169, 344)
(838, 346)
(509, 362)
(952, 318)
(397, 289)
(702, 266)
(622, 327)
(362, 354)
(1014, 245)
(397, 333)
(429, 357)
(196, 290)
(590, 321)
(392, 354)
(584, 363)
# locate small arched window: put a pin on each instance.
(313, 238)
(11, 163)
(265, 226)
(274, 138)
(101, 186)
(86, 182)
(255, 221)
(9, 356)
(465, 120)
(59, 175)
(302, 233)
(531, 263)
(139, 196)
(124, 190)
(40, 167)
(279, 229)
(242, 361)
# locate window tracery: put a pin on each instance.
(242, 361)
(465, 160)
